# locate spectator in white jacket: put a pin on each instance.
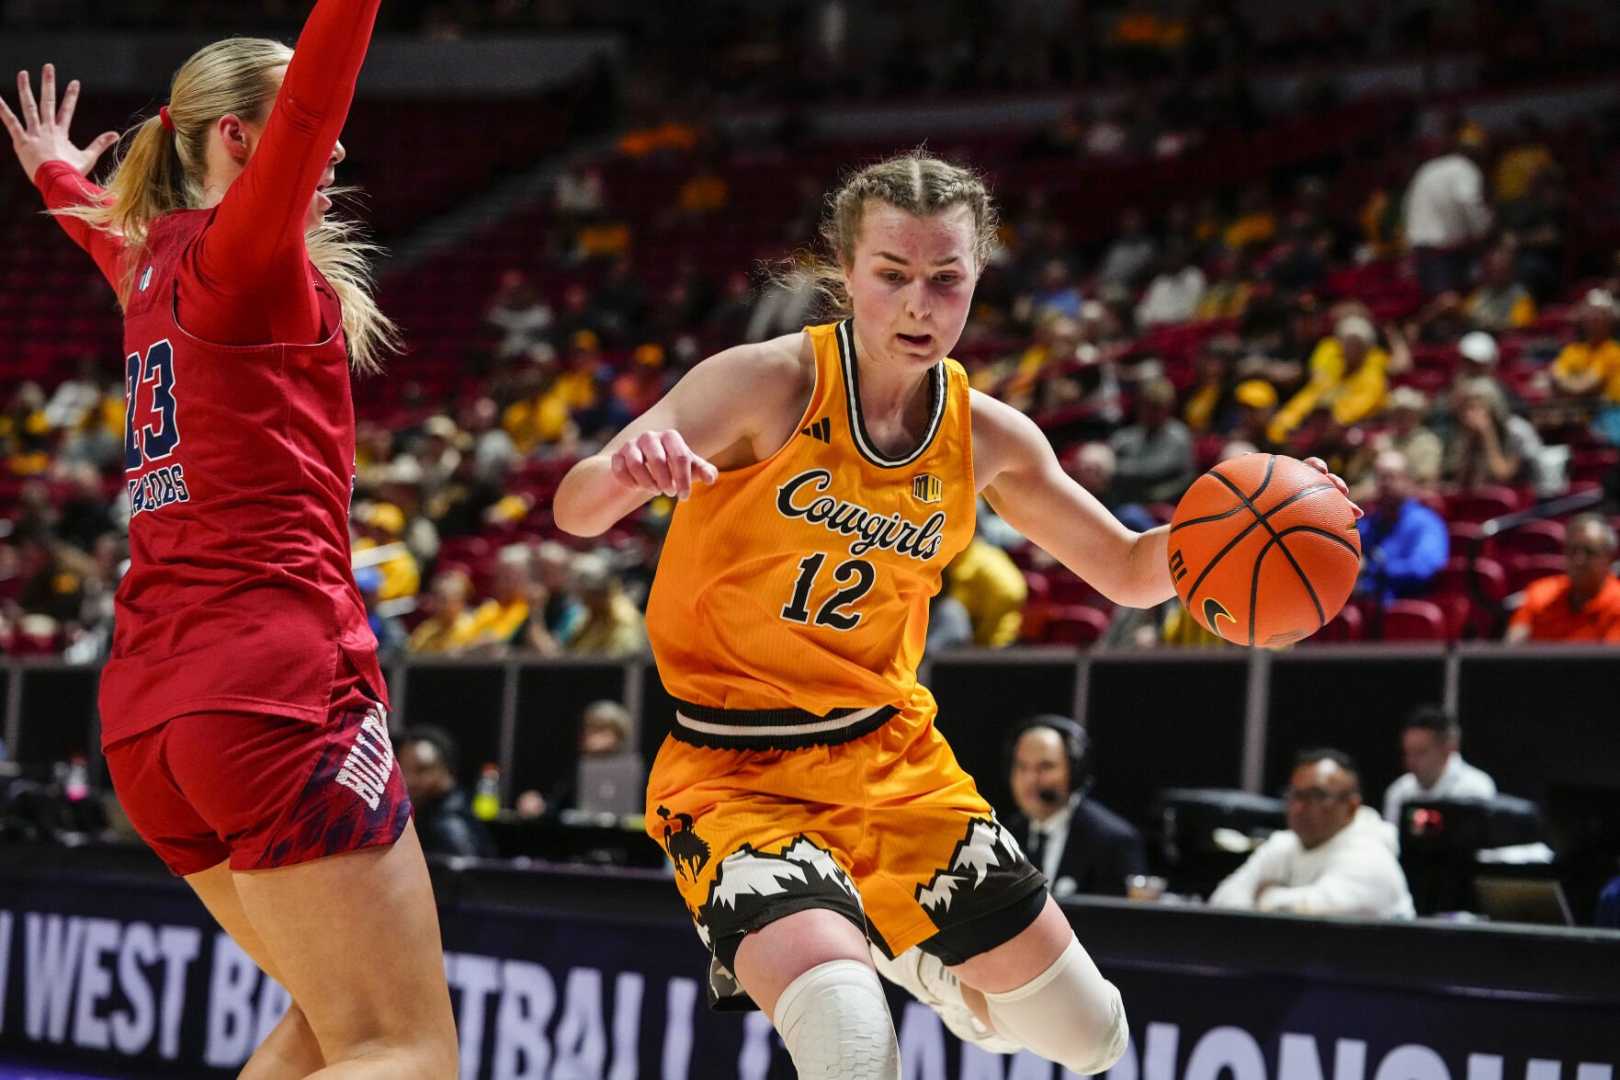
(1336, 857)
(1429, 747)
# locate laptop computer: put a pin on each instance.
(613, 784)
(1523, 900)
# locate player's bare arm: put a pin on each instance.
(1017, 471)
(735, 408)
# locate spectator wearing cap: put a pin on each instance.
(1256, 410)
(1488, 444)
(1581, 604)
(1447, 213)
(1589, 367)
(452, 627)
(613, 627)
(1154, 456)
(1349, 375)
(381, 525)
(1404, 544)
(1500, 302)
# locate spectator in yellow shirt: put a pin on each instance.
(1349, 376)
(613, 626)
(382, 524)
(500, 618)
(1590, 367)
(451, 628)
(986, 581)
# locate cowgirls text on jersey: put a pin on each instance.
(889, 532)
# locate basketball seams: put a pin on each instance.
(1319, 531)
(1260, 519)
(1265, 481)
(1254, 585)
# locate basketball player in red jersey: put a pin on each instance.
(242, 706)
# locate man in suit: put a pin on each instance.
(1081, 845)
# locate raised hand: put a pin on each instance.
(660, 462)
(42, 133)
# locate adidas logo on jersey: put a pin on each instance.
(821, 429)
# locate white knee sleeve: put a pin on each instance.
(835, 1022)
(1069, 1014)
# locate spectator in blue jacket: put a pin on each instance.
(1403, 543)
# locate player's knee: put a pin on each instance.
(835, 1022)
(1069, 1014)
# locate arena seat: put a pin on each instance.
(1414, 620)
(1075, 624)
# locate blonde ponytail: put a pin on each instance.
(159, 170)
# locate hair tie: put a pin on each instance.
(163, 115)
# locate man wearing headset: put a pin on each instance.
(1081, 845)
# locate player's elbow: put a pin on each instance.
(575, 519)
(573, 509)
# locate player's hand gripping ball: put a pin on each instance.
(1264, 550)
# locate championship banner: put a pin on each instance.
(132, 980)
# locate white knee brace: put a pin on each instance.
(1069, 1014)
(835, 1022)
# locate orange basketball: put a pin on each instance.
(1264, 550)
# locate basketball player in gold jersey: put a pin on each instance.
(817, 820)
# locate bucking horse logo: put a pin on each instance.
(687, 850)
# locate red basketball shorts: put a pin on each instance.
(260, 791)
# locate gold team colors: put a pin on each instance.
(787, 619)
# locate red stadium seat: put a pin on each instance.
(1039, 588)
(1068, 589)
(1593, 463)
(1524, 569)
(1414, 620)
(1464, 535)
(1481, 504)
(1343, 627)
(1075, 624)
(1531, 538)
(1462, 577)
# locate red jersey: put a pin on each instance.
(239, 438)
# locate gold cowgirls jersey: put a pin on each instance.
(790, 605)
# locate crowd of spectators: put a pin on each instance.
(1415, 317)
(1181, 342)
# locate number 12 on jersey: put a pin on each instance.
(856, 575)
